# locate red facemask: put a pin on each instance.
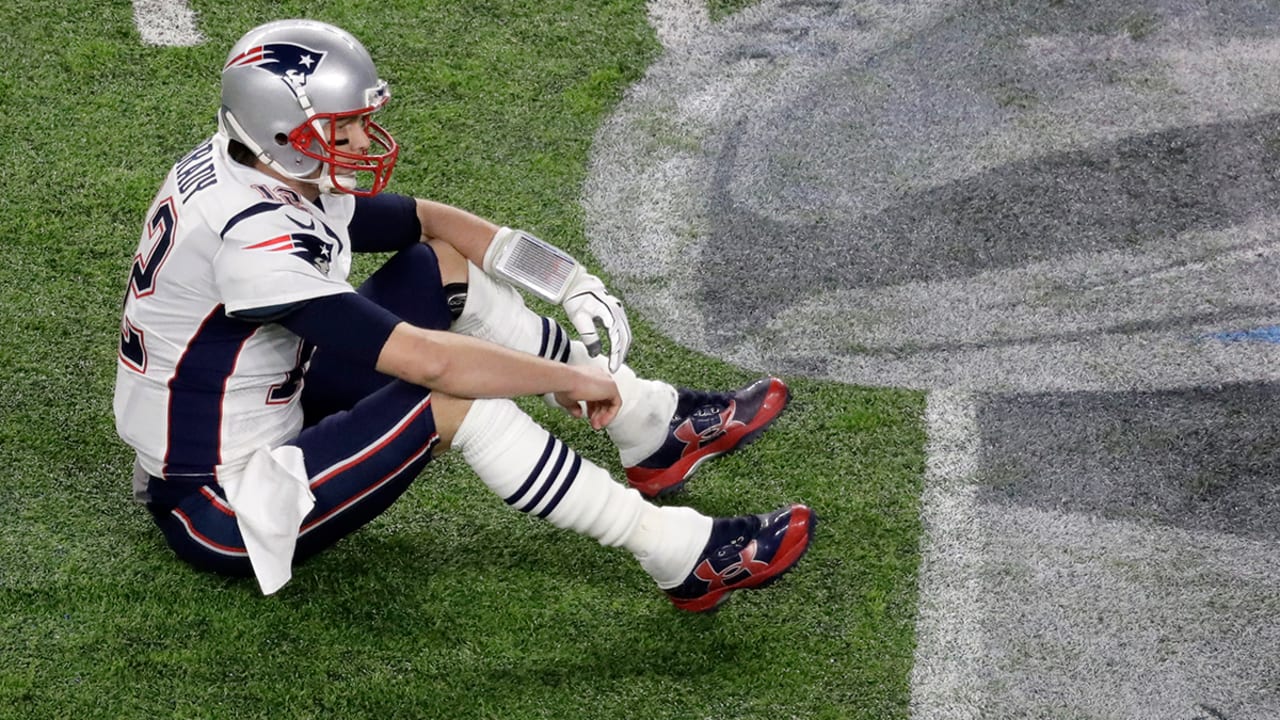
(321, 131)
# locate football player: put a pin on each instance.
(275, 409)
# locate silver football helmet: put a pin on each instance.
(286, 86)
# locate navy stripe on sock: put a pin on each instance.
(564, 355)
(564, 487)
(546, 337)
(550, 481)
(555, 347)
(537, 470)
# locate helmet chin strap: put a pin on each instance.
(324, 182)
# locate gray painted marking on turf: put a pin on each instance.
(1071, 202)
(1207, 458)
(1084, 625)
(945, 194)
(1045, 580)
(679, 23)
(1132, 549)
(166, 22)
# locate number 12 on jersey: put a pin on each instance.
(142, 279)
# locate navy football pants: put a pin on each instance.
(367, 438)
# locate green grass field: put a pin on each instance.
(450, 605)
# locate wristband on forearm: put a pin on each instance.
(527, 262)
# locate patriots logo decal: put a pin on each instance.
(312, 248)
(291, 62)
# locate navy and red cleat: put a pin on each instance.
(707, 424)
(749, 551)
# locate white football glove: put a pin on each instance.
(587, 303)
(555, 276)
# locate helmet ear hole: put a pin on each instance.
(282, 139)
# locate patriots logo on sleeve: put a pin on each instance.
(312, 248)
(291, 62)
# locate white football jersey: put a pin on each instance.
(197, 389)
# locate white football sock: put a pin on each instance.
(536, 473)
(495, 311)
(641, 425)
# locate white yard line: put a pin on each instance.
(166, 22)
(948, 633)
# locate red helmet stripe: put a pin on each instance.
(248, 57)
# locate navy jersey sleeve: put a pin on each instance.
(386, 222)
(349, 325)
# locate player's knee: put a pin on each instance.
(454, 273)
(453, 266)
(448, 412)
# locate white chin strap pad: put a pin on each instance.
(325, 182)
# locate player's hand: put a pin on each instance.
(587, 303)
(594, 388)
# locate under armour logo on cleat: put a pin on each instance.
(694, 439)
(744, 567)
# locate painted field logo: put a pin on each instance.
(1077, 209)
(1208, 712)
(1066, 214)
